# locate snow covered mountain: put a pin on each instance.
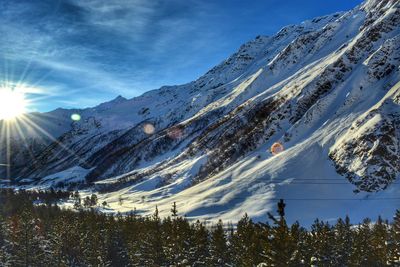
(328, 89)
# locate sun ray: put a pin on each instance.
(42, 78)
(25, 71)
(8, 149)
(41, 130)
(3, 147)
(11, 130)
(23, 138)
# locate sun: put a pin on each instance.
(12, 103)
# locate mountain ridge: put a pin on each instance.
(306, 87)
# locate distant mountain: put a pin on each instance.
(327, 89)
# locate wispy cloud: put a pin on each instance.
(119, 47)
(102, 48)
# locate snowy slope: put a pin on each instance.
(328, 89)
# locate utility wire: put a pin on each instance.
(299, 179)
(319, 199)
(308, 183)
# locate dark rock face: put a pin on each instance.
(369, 155)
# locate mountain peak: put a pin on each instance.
(106, 105)
(118, 99)
(319, 88)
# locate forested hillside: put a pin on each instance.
(34, 231)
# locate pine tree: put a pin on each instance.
(394, 243)
(361, 255)
(183, 245)
(199, 250)
(218, 246)
(174, 211)
(173, 245)
(167, 238)
(245, 251)
(92, 240)
(155, 245)
(48, 236)
(379, 242)
(134, 235)
(282, 246)
(5, 255)
(303, 251)
(264, 233)
(117, 254)
(58, 239)
(28, 244)
(178, 233)
(142, 254)
(343, 242)
(2, 238)
(69, 229)
(322, 239)
(77, 200)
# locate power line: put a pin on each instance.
(317, 183)
(318, 199)
(309, 179)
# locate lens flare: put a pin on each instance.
(148, 128)
(277, 148)
(175, 133)
(75, 117)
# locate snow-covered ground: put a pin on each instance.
(327, 89)
(302, 175)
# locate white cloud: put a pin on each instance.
(116, 47)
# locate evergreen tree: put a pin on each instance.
(362, 246)
(57, 238)
(343, 242)
(117, 254)
(303, 251)
(183, 245)
(92, 240)
(394, 243)
(5, 255)
(322, 239)
(379, 242)
(177, 234)
(27, 241)
(282, 246)
(77, 200)
(264, 232)
(44, 235)
(133, 238)
(218, 246)
(245, 250)
(199, 250)
(153, 242)
(174, 211)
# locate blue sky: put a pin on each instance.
(79, 53)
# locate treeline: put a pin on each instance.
(37, 234)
